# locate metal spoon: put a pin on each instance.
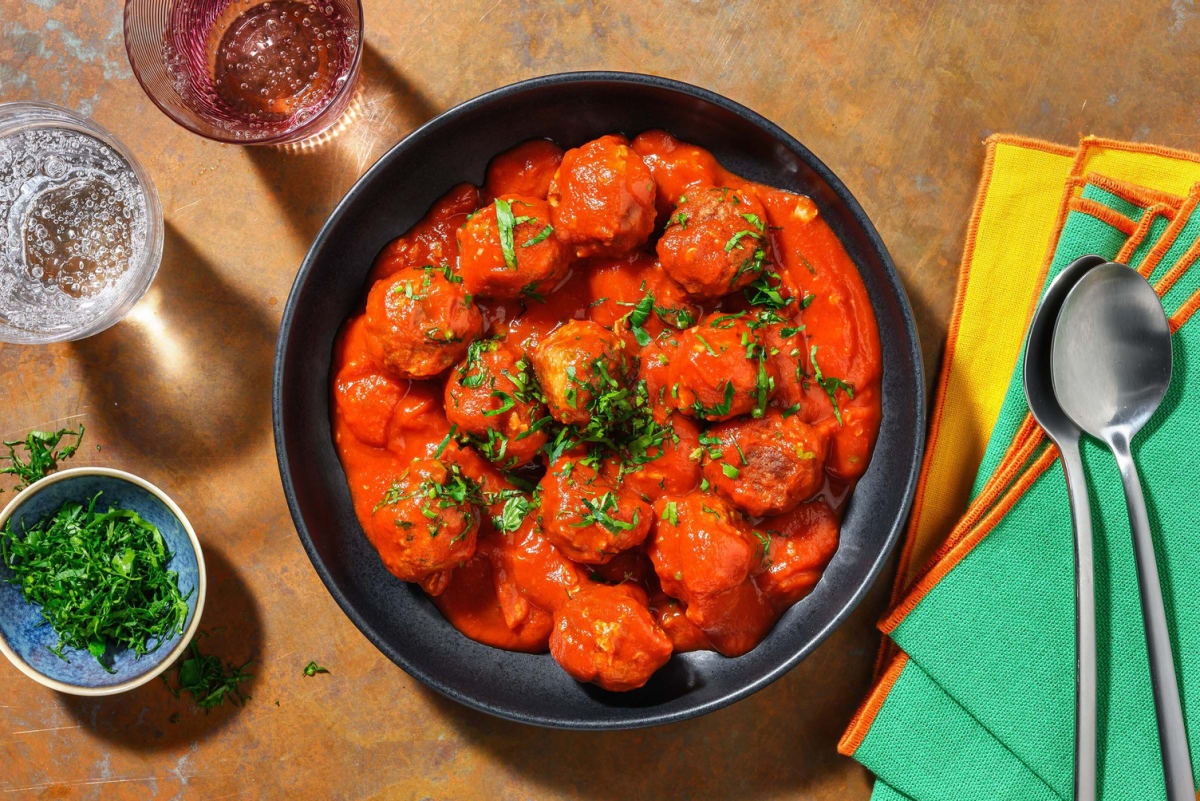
(1039, 392)
(1111, 366)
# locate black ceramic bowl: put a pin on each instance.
(456, 146)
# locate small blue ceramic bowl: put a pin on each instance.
(25, 638)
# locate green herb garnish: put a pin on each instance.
(208, 680)
(312, 669)
(41, 456)
(505, 223)
(100, 577)
(541, 236)
(830, 384)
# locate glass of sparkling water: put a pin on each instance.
(80, 224)
(248, 72)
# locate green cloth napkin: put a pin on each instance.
(984, 707)
(906, 738)
(997, 633)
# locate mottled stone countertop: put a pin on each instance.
(895, 97)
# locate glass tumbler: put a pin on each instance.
(81, 228)
(250, 72)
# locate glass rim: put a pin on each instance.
(277, 139)
(146, 268)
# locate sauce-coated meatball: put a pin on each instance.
(527, 170)
(765, 466)
(667, 467)
(719, 370)
(529, 571)
(804, 541)
(578, 362)
(715, 241)
(602, 198)
(492, 396)
(508, 248)
(617, 286)
(606, 635)
(588, 514)
(704, 554)
(419, 322)
(424, 522)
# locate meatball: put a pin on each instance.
(524, 170)
(588, 514)
(715, 241)
(492, 397)
(366, 400)
(425, 520)
(704, 555)
(804, 542)
(606, 635)
(667, 466)
(469, 602)
(672, 617)
(576, 363)
(765, 466)
(508, 248)
(602, 198)
(530, 572)
(617, 286)
(419, 322)
(719, 370)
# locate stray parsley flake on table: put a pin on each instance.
(312, 669)
(41, 456)
(208, 680)
(100, 577)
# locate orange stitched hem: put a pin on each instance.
(1185, 312)
(1168, 238)
(1139, 195)
(1031, 143)
(1178, 269)
(1138, 236)
(1024, 445)
(1103, 213)
(1138, 147)
(900, 585)
(965, 545)
(860, 724)
(939, 403)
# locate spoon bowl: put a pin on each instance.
(1111, 353)
(1039, 387)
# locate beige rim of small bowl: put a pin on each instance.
(201, 583)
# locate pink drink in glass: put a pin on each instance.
(249, 71)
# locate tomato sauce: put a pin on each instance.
(814, 376)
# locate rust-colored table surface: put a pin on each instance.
(895, 97)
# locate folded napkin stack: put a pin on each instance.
(975, 698)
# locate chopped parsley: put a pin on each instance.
(100, 577)
(41, 454)
(830, 384)
(208, 680)
(312, 669)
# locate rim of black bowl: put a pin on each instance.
(430, 128)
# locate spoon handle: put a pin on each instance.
(1172, 735)
(1085, 623)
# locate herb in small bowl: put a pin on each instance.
(101, 581)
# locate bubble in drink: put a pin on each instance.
(74, 222)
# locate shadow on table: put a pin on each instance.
(307, 179)
(779, 741)
(188, 373)
(151, 717)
